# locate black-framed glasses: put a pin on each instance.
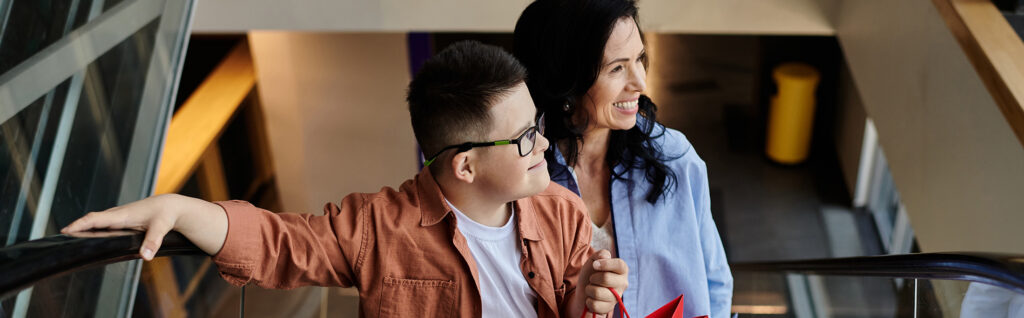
(525, 142)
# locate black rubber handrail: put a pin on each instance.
(1001, 270)
(25, 264)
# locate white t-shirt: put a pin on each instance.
(504, 291)
(604, 237)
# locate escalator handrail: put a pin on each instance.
(1003, 270)
(25, 264)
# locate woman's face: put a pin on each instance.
(612, 101)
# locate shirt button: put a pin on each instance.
(530, 274)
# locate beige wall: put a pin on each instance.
(955, 161)
(689, 16)
(336, 116)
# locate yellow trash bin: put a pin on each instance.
(791, 117)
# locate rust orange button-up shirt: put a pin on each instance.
(402, 250)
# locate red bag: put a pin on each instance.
(673, 309)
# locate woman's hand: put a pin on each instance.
(600, 273)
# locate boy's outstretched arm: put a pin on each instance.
(599, 273)
(202, 222)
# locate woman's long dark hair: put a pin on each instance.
(561, 43)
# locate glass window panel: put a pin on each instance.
(30, 27)
(98, 148)
(19, 138)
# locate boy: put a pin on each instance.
(480, 231)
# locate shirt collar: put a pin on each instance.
(527, 213)
(434, 208)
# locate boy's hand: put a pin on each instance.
(600, 273)
(158, 215)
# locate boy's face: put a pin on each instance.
(503, 172)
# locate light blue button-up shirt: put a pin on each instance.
(672, 247)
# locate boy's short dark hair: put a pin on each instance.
(451, 96)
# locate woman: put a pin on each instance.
(644, 185)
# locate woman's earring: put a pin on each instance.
(566, 107)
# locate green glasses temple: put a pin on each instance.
(538, 129)
(466, 147)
